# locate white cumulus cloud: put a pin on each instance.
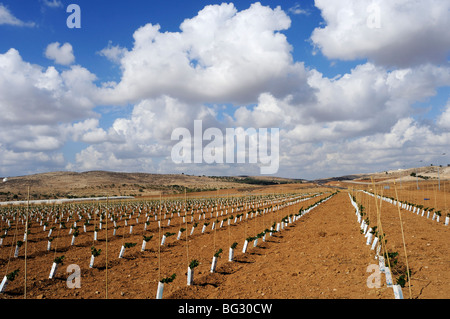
(37, 104)
(389, 32)
(53, 3)
(6, 17)
(221, 55)
(443, 120)
(230, 69)
(61, 54)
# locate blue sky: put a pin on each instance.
(104, 21)
(341, 96)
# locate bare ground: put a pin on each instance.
(323, 255)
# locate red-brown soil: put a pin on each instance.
(321, 255)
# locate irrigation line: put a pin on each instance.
(106, 251)
(95, 221)
(368, 209)
(229, 227)
(386, 253)
(57, 237)
(404, 245)
(383, 241)
(445, 200)
(423, 197)
(215, 226)
(123, 231)
(159, 239)
(12, 245)
(26, 242)
(435, 196)
(246, 218)
(185, 220)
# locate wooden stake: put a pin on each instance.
(404, 245)
(26, 242)
(186, 222)
(383, 243)
(106, 252)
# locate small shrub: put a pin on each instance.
(194, 263)
(95, 252)
(217, 254)
(168, 279)
(12, 275)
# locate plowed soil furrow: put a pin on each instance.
(322, 255)
(427, 248)
(137, 274)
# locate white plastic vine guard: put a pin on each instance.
(398, 294)
(159, 293)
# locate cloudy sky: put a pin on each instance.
(352, 85)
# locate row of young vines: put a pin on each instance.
(418, 209)
(52, 231)
(388, 261)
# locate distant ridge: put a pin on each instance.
(60, 184)
(388, 176)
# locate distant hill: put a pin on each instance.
(103, 183)
(258, 180)
(403, 175)
(340, 178)
(57, 185)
